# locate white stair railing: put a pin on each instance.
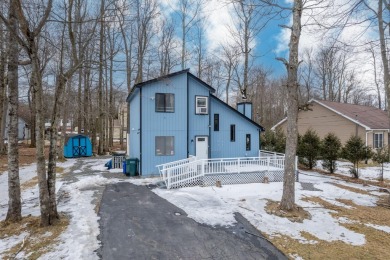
(190, 172)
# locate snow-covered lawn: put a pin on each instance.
(208, 205)
(366, 173)
(216, 206)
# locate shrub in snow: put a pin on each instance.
(382, 156)
(309, 148)
(330, 151)
(354, 151)
(274, 141)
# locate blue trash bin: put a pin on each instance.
(124, 166)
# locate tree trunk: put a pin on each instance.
(288, 198)
(385, 58)
(51, 168)
(31, 104)
(14, 213)
(100, 83)
(40, 139)
(183, 39)
(3, 89)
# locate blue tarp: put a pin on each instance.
(108, 165)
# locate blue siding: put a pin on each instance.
(245, 108)
(135, 127)
(221, 146)
(184, 124)
(164, 124)
(198, 124)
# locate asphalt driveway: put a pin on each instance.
(135, 223)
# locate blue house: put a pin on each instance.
(176, 116)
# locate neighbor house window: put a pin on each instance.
(165, 145)
(216, 122)
(165, 102)
(201, 105)
(378, 140)
(232, 133)
(248, 142)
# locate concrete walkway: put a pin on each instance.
(137, 224)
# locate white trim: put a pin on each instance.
(281, 122)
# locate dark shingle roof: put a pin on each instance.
(368, 117)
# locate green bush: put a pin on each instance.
(309, 148)
(274, 141)
(382, 156)
(354, 151)
(330, 152)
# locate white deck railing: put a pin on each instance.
(190, 172)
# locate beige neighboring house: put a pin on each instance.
(120, 123)
(344, 120)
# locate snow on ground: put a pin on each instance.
(366, 173)
(216, 206)
(208, 205)
(29, 196)
(79, 240)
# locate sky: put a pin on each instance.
(273, 40)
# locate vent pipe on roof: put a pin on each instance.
(245, 108)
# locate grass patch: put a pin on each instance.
(377, 241)
(29, 184)
(39, 239)
(356, 190)
(296, 215)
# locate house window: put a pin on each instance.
(378, 140)
(216, 122)
(248, 142)
(165, 145)
(201, 105)
(232, 133)
(165, 102)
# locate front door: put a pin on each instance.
(202, 147)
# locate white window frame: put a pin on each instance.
(378, 143)
(202, 110)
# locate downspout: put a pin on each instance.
(209, 144)
(140, 131)
(188, 116)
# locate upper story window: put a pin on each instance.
(378, 140)
(202, 107)
(165, 102)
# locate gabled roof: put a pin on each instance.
(371, 118)
(367, 117)
(237, 112)
(139, 85)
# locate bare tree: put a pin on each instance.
(188, 11)
(3, 88)
(251, 19)
(377, 70)
(229, 56)
(146, 12)
(30, 32)
(14, 200)
(166, 48)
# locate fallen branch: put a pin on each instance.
(21, 248)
